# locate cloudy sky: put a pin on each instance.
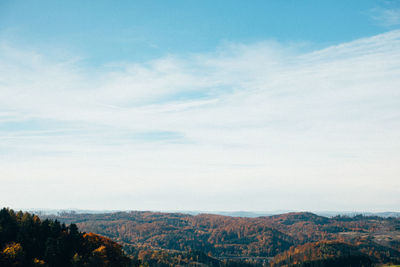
(200, 105)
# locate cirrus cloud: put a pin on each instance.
(256, 122)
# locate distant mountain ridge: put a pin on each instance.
(248, 214)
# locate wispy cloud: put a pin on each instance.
(386, 16)
(318, 121)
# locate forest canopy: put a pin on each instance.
(174, 239)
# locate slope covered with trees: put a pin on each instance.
(25, 240)
(282, 240)
(173, 239)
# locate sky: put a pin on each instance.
(200, 105)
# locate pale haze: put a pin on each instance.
(152, 114)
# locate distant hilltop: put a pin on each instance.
(248, 214)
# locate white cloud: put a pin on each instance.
(386, 16)
(261, 122)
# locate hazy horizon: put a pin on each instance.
(200, 105)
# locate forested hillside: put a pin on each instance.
(293, 239)
(25, 240)
(174, 239)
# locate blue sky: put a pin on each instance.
(142, 30)
(200, 105)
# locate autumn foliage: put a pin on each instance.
(282, 240)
